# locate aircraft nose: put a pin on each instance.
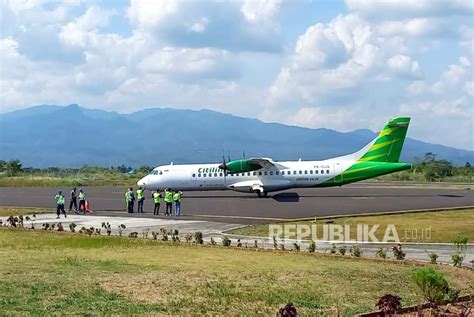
(142, 183)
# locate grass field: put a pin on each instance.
(445, 225)
(6, 211)
(69, 181)
(59, 273)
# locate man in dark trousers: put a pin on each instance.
(140, 199)
(82, 201)
(60, 204)
(169, 202)
(73, 201)
(156, 201)
(130, 200)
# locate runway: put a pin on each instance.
(233, 207)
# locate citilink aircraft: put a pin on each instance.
(261, 175)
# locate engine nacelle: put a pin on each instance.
(240, 166)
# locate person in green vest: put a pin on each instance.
(177, 202)
(169, 202)
(130, 199)
(141, 199)
(82, 201)
(59, 198)
(156, 201)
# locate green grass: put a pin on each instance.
(445, 225)
(6, 211)
(69, 181)
(60, 273)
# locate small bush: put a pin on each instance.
(460, 243)
(398, 252)
(433, 257)
(356, 251)
(457, 259)
(198, 237)
(188, 238)
(333, 249)
(342, 250)
(226, 241)
(255, 244)
(288, 311)
(432, 284)
(312, 246)
(389, 304)
(381, 253)
(213, 242)
(275, 243)
(296, 246)
(453, 295)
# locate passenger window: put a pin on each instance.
(220, 174)
(260, 173)
(282, 172)
(271, 172)
(294, 172)
(311, 171)
(301, 172)
(327, 171)
(199, 175)
(254, 173)
(248, 174)
(316, 172)
(194, 175)
(277, 173)
(265, 173)
(306, 172)
(204, 175)
(215, 174)
(322, 171)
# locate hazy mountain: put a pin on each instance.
(43, 136)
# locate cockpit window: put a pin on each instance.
(156, 172)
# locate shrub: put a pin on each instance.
(432, 284)
(333, 249)
(198, 237)
(342, 250)
(288, 311)
(312, 246)
(226, 241)
(255, 244)
(356, 251)
(188, 238)
(460, 243)
(296, 246)
(433, 257)
(398, 252)
(275, 243)
(457, 259)
(453, 295)
(381, 253)
(389, 304)
(213, 242)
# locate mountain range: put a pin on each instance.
(72, 136)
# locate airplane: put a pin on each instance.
(261, 175)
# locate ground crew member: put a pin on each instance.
(130, 199)
(169, 202)
(60, 204)
(156, 200)
(82, 201)
(141, 199)
(177, 202)
(73, 200)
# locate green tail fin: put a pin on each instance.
(388, 145)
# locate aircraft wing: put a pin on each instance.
(262, 161)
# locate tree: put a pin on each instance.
(468, 164)
(13, 167)
(3, 165)
(432, 285)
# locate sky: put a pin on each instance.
(343, 65)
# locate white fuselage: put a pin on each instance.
(283, 175)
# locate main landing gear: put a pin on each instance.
(261, 193)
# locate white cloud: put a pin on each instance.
(263, 11)
(77, 32)
(151, 13)
(404, 65)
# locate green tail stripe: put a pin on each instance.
(387, 147)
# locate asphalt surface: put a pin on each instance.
(233, 207)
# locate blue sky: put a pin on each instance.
(335, 64)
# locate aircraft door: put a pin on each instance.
(338, 173)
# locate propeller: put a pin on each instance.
(223, 166)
